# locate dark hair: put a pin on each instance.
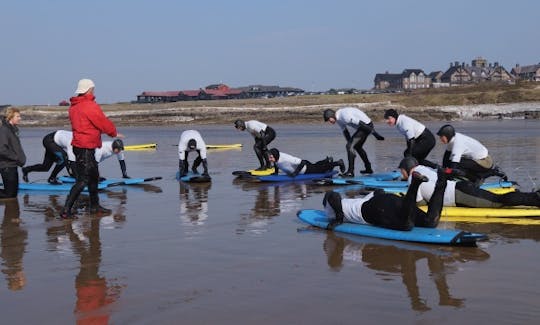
(390, 113)
(328, 113)
(239, 124)
(192, 144)
(118, 144)
(448, 131)
(274, 152)
(408, 163)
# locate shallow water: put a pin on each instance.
(232, 252)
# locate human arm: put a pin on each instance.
(123, 168)
(410, 145)
(298, 168)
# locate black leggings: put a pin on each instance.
(261, 146)
(53, 153)
(87, 175)
(356, 143)
(422, 146)
(470, 195)
(320, 167)
(10, 177)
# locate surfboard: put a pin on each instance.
(118, 181)
(193, 178)
(224, 146)
(145, 146)
(254, 172)
(508, 212)
(46, 187)
(318, 218)
(383, 176)
(501, 220)
(494, 187)
(299, 177)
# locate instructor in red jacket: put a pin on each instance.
(87, 123)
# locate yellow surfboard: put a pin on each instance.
(503, 220)
(224, 146)
(145, 146)
(507, 212)
(265, 172)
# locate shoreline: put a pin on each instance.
(175, 114)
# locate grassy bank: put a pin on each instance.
(306, 108)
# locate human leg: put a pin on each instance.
(10, 178)
(358, 140)
(431, 218)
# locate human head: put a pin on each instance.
(446, 133)
(192, 144)
(406, 165)
(329, 115)
(84, 86)
(117, 145)
(240, 125)
(12, 115)
(273, 154)
(391, 115)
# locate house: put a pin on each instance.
(478, 71)
(260, 91)
(527, 72)
(408, 79)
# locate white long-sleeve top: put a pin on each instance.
(425, 191)
(465, 146)
(352, 209)
(351, 117)
(255, 127)
(183, 144)
(63, 139)
(289, 163)
(409, 127)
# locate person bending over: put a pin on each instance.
(191, 140)
(360, 123)
(263, 135)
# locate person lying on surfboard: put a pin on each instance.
(361, 125)
(263, 135)
(191, 140)
(467, 154)
(387, 210)
(463, 193)
(293, 166)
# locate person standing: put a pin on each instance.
(11, 153)
(362, 126)
(87, 123)
(191, 140)
(263, 135)
(420, 140)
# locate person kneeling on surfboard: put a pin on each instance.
(387, 210)
(293, 166)
(263, 135)
(463, 193)
(191, 140)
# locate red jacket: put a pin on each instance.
(88, 122)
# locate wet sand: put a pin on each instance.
(232, 252)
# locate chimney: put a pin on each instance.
(496, 64)
(456, 64)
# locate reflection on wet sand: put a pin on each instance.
(271, 200)
(13, 238)
(400, 259)
(194, 203)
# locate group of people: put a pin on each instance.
(465, 165)
(79, 150)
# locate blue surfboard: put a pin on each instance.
(116, 181)
(383, 176)
(417, 234)
(193, 178)
(299, 177)
(46, 187)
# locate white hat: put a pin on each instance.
(84, 85)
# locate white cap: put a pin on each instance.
(84, 85)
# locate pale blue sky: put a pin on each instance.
(129, 46)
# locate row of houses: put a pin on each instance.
(457, 74)
(217, 91)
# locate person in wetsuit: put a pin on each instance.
(463, 193)
(191, 140)
(420, 140)
(362, 126)
(468, 155)
(387, 210)
(293, 166)
(263, 135)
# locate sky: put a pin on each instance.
(130, 46)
